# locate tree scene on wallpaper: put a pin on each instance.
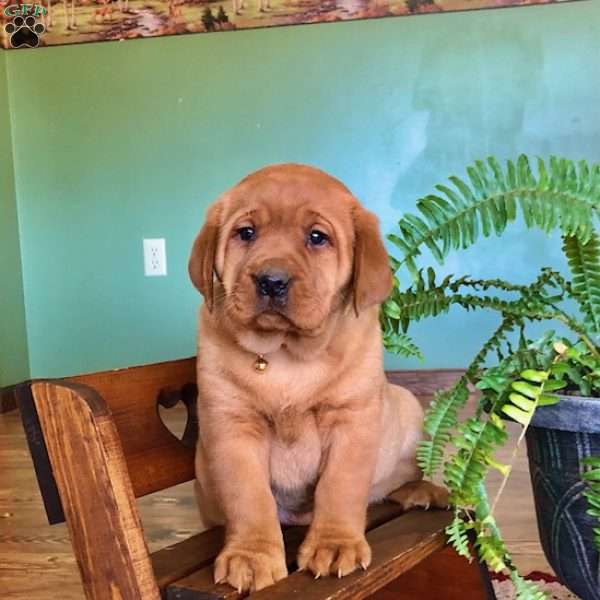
(52, 22)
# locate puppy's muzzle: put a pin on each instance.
(272, 284)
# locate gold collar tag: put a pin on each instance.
(260, 364)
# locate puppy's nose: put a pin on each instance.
(273, 284)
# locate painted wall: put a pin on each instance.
(116, 142)
(14, 365)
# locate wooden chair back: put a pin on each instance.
(156, 459)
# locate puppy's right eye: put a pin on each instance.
(246, 234)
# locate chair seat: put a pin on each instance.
(399, 542)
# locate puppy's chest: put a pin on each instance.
(296, 449)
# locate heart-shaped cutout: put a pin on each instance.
(177, 411)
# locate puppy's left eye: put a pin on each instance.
(317, 238)
(246, 234)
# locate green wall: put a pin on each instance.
(119, 141)
(14, 365)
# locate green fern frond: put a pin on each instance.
(532, 306)
(441, 416)
(428, 298)
(401, 344)
(548, 278)
(493, 551)
(421, 300)
(584, 262)
(494, 343)
(394, 340)
(440, 421)
(561, 194)
(458, 536)
(526, 394)
(475, 441)
(526, 590)
(486, 284)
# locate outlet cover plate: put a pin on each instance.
(155, 257)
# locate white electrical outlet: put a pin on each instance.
(155, 257)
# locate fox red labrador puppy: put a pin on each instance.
(298, 424)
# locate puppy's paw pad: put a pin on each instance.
(248, 568)
(421, 494)
(338, 555)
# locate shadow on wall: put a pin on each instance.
(492, 89)
(479, 108)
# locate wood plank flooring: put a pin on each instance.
(36, 561)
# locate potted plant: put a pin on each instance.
(550, 387)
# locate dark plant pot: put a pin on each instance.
(558, 438)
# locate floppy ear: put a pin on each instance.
(201, 265)
(372, 275)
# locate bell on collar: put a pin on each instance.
(260, 364)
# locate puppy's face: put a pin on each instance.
(287, 247)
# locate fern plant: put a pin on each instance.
(558, 194)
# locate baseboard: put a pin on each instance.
(8, 398)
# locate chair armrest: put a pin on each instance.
(97, 497)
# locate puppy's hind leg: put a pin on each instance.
(420, 494)
(398, 476)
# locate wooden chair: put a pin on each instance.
(98, 443)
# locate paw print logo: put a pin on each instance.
(24, 32)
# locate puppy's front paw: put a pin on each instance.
(250, 566)
(420, 494)
(333, 552)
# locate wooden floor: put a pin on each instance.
(36, 562)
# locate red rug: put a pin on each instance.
(547, 583)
